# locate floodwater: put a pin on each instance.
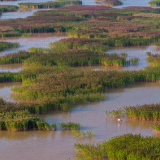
(29, 42)
(59, 145)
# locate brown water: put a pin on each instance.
(10, 67)
(29, 42)
(40, 145)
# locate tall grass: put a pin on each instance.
(21, 121)
(8, 45)
(141, 112)
(50, 4)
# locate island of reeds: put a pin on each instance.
(154, 3)
(109, 2)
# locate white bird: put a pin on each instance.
(119, 120)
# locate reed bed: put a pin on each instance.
(50, 4)
(92, 22)
(96, 44)
(73, 58)
(21, 121)
(8, 45)
(154, 3)
(125, 147)
(64, 87)
(18, 57)
(8, 8)
(140, 112)
(10, 77)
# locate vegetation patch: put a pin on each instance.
(141, 112)
(153, 59)
(8, 45)
(50, 4)
(122, 147)
(70, 126)
(21, 121)
(154, 3)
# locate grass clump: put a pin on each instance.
(53, 126)
(81, 134)
(70, 126)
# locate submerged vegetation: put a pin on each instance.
(122, 147)
(70, 126)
